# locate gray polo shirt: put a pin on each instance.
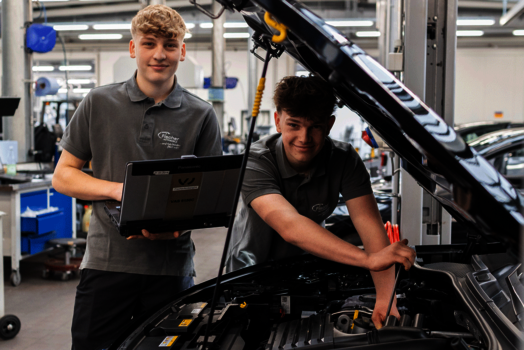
(337, 169)
(116, 124)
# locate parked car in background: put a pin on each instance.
(504, 149)
(471, 131)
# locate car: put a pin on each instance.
(504, 149)
(462, 296)
(471, 131)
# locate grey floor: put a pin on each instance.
(45, 307)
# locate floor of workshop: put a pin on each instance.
(45, 307)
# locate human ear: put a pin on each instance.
(183, 52)
(132, 53)
(277, 122)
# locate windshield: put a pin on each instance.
(488, 140)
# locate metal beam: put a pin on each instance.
(14, 83)
(496, 5)
(415, 79)
(217, 60)
(252, 73)
(116, 8)
(514, 13)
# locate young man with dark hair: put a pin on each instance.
(292, 184)
(150, 116)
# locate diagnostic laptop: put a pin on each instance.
(176, 194)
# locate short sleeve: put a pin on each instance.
(355, 179)
(209, 141)
(76, 139)
(261, 178)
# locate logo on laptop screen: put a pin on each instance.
(161, 172)
(185, 182)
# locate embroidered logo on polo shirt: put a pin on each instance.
(169, 141)
(320, 208)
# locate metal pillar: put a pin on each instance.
(429, 71)
(415, 80)
(17, 74)
(29, 89)
(440, 93)
(217, 59)
(252, 73)
(389, 23)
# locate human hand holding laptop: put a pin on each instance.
(158, 236)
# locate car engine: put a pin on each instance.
(316, 304)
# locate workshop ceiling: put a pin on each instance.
(88, 13)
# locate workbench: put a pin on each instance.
(12, 197)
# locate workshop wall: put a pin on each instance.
(236, 65)
(489, 80)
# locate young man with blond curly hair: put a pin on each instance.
(149, 116)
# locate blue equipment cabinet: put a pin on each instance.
(21, 239)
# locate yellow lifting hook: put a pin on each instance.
(278, 26)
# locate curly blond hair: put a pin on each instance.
(160, 20)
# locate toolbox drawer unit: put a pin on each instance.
(26, 236)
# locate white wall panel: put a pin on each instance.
(489, 80)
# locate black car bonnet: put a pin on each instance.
(440, 161)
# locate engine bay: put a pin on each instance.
(316, 304)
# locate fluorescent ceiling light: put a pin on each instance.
(100, 36)
(60, 27)
(188, 36)
(43, 68)
(79, 81)
(235, 25)
(518, 32)
(86, 67)
(470, 33)
(114, 26)
(81, 91)
(206, 25)
(368, 34)
(62, 91)
(350, 23)
(236, 35)
(300, 73)
(190, 25)
(475, 22)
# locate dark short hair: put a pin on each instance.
(310, 97)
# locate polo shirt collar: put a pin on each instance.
(319, 168)
(173, 100)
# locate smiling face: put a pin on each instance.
(156, 57)
(302, 138)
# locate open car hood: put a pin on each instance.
(470, 189)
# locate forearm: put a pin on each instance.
(384, 282)
(375, 239)
(314, 239)
(75, 183)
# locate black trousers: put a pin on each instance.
(107, 302)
